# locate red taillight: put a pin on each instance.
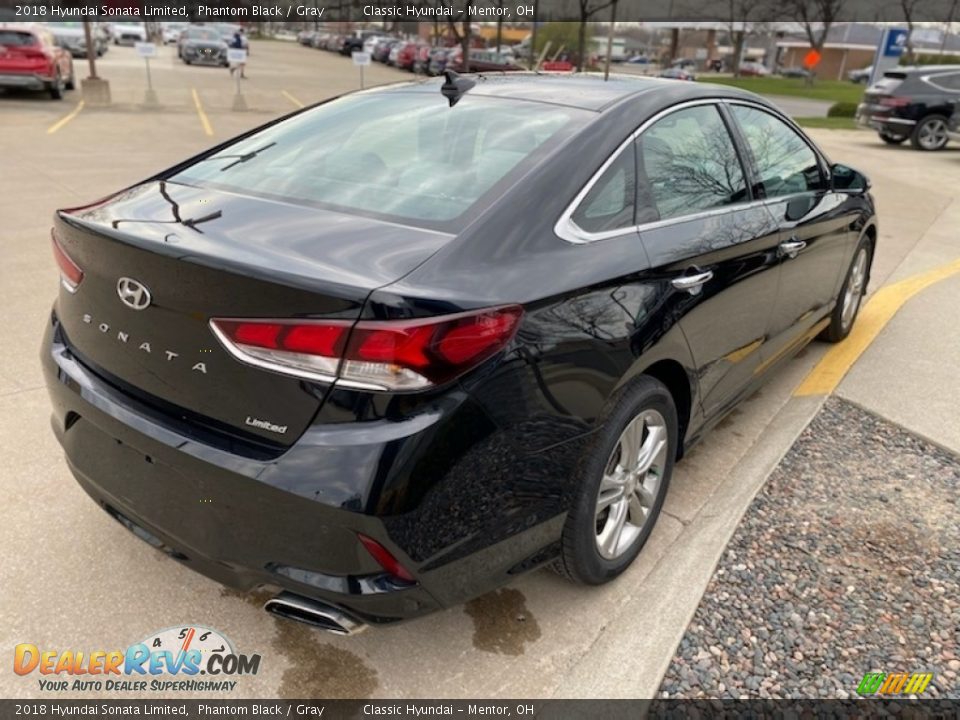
(384, 559)
(895, 101)
(373, 355)
(70, 273)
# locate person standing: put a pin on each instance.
(239, 42)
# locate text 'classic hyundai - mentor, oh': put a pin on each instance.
(382, 355)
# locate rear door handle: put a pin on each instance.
(692, 283)
(792, 247)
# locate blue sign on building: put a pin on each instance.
(894, 42)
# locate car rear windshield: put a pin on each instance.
(12, 38)
(889, 83)
(402, 156)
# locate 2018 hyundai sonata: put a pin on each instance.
(386, 353)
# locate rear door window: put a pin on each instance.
(687, 163)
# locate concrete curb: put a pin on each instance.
(612, 668)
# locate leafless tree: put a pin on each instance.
(462, 37)
(817, 17)
(742, 17)
(587, 9)
(948, 25)
(909, 9)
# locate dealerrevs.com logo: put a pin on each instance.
(192, 658)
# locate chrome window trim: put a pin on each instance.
(931, 79)
(567, 229)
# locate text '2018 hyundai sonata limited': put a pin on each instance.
(383, 354)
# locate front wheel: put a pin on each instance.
(621, 485)
(930, 133)
(851, 295)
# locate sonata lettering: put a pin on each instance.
(123, 337)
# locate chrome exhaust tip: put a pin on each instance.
(314, 613)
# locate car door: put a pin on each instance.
(713, 246)
(816, 236)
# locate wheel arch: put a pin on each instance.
(673, 375)
(870, 233)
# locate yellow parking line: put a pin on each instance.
(874, 316)
(64, 120)
(204, 120)
(292, 99)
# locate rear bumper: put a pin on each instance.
(27, 81)
(291, 522)
(212, 510)
(883, 121)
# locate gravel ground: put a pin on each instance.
(847, 562)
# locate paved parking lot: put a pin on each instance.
(74, 578)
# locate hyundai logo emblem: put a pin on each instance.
(133, 294)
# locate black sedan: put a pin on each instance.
(384, 354)
(202, 46)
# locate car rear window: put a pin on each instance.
(17, 39)
(404, 156)
(888, 84)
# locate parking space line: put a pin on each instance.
(292, 99)
(64, 120)
(874, 316)
(204, 120)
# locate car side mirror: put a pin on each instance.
(846, 179)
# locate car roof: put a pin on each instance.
(925, 69)
(588, 91)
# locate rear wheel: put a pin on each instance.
(56, 87)
(622, 483)
(892, 139)
(930, 133)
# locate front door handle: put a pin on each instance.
(792, 247)
(692, 283)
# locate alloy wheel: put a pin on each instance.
(855, 288)
(932, 134)
(631, 483)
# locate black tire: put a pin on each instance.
(841, 325)
(892, 139)
(56, 87)
(930, 133)
(580, 558)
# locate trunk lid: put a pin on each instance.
(203, 254)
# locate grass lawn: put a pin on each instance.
(832, 123)
(830, 90)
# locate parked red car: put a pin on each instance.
(407, 56)
(31, 59)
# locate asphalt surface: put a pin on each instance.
(847, 562)
(73, 578)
